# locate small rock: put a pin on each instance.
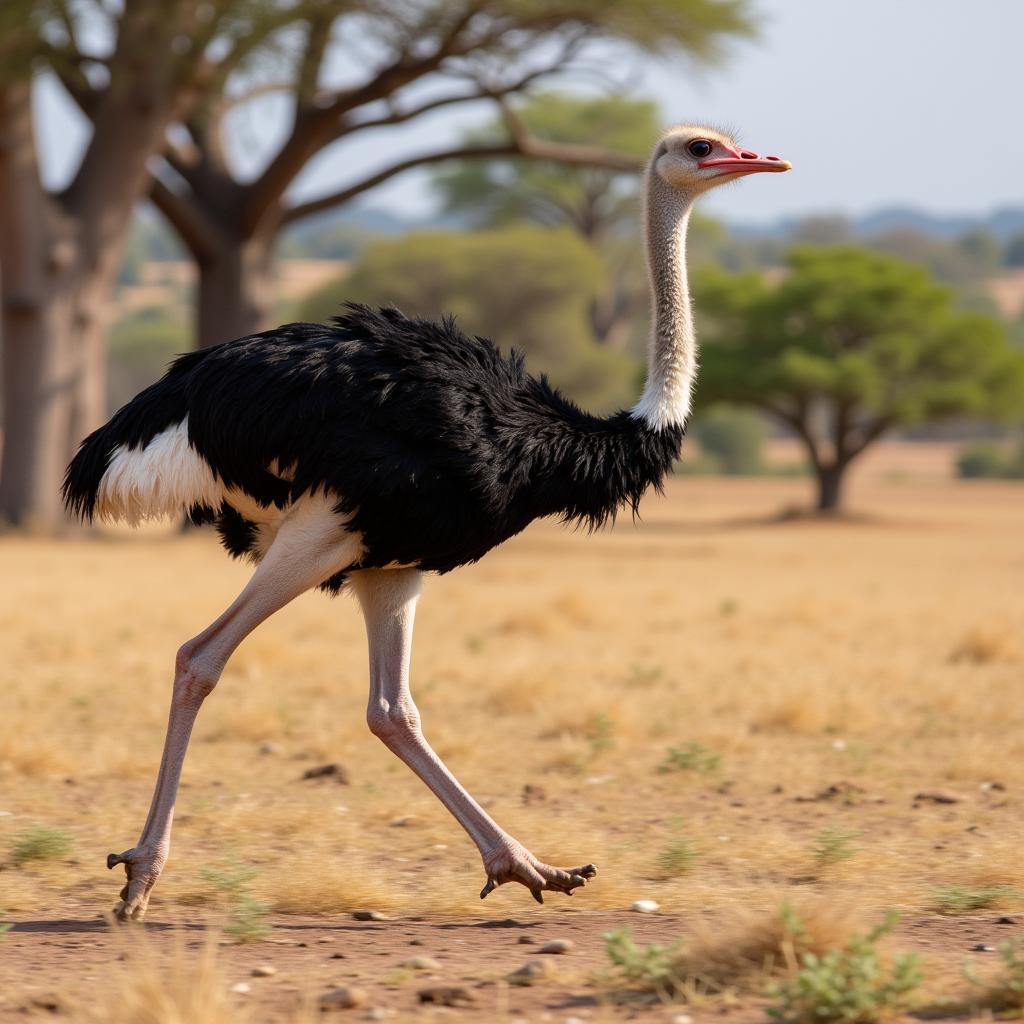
(406, 821)
(415, 942)
(980, 947)
(446, 995)
(336, 956)
(422, 963)
(525, 940)
(379, 1013)
(1006, 919)
(264, 971)
(531, 972)
(347, 997)
(269, 748)
(327, 771)
(242, 988)
(533, 794)
(682, 1018)
(645, 906)
(369, 915)
(939, 796)
(557, 946)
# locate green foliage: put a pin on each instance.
(1014, 255)
(833, 844)
(652, 966)
(248, 916)
(849, 985)
(989, 459)
(691, 757)
(678, 858)
(1004, 993)
(964, 899)
(5, 926)
(849, 344)
(732, 437)
(524, 287)
(39, 843)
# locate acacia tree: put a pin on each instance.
(158, 78)
(850, 344)
(599, 203)
(145, 65)
(427, 55)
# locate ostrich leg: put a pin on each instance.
(388, 598)
(310, 547)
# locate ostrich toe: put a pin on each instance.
(515, 863)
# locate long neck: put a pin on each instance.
(672, 358)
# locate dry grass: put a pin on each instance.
(881, 652)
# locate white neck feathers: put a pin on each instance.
(672, 357)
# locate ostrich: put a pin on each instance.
(364, 453)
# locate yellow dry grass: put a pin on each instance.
(883, 652)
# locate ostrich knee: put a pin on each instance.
(394, 725)
(194, 676)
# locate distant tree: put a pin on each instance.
(1014, 255)
(522, 286)
(601, 204)
(732, 437)
(847, 346)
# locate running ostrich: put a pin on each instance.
(364, 453)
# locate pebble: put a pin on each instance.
(327, 771)
(980, 947)
(645, 906)
(525, 940)
(347, 997)
(531, 972)
(557, 946)
(269, 748)
(406, 821)
(242, 988)
(682, 1018)
(264, 971)
(939, 796)
(422, 963)
(379, 1013)
(446, 995)
(369, 915)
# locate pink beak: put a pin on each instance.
(744, 161)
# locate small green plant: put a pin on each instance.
(848, 985)
(248, 916)
(40, 843)
(678, 858)
(651, 966)
(832, 845)
(601, 733)
(643, 675)
(1005, 992)
(5, 926)
(962, 899)
(691, 757)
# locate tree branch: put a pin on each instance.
(194, 230)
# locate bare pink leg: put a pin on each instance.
(310, 546)
(388, 598)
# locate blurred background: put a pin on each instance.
(178, 174)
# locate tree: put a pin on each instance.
(599, 203)
(522, 286)
(158, 78)
(431, 54)
(133, 68)
(850, 344)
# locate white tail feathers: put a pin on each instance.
(164, 479)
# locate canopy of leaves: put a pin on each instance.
(868, 336)
(589, 199)
(523, 287)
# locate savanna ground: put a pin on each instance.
(814, 679)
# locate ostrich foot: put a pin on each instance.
(143, 867)
(514, 863)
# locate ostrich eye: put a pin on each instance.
(700, 147)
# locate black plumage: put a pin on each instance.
(438, 446)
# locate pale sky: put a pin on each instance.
(876, 102)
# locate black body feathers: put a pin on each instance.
(438, 446)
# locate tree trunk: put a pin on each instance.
(830, 481)
(235, 291)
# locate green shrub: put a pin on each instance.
(732, 438)
(40, 843)
(832, 845)
(651, 966)
(849, 985)
(248, 916)
(678, 858)
(963, 899)
(691, 757)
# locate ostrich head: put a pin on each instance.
(693, 158)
